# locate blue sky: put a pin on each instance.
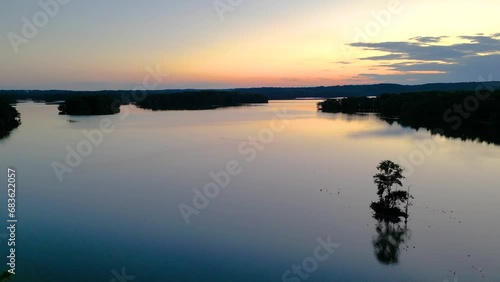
(109, 44)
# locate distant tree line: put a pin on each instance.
(273, 93)
(349, 105)
(280, 93)
(52, 96)
(89, 105)
(194, 100)
(199, 100)
(425, 106)
(9, 118)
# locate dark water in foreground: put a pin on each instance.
(309, 182)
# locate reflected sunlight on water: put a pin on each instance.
(313, 180)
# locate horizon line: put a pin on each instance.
(258, 87)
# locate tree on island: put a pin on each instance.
(90, 105)
(390, 176)
(199, 100)
(9, 118)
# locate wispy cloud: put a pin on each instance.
(341, 63)
(429, 39)
(432, 59)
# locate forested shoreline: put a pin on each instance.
(468, 115)
(199, 100)
(9, 118)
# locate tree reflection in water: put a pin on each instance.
(391, 235)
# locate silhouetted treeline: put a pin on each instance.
(199, 100)
(50, 96)
(473, 131)
(9, 118)
(90, 105)
(349, 105)
(276, 93)
(273, 93)
(470, 106)
(469, 115)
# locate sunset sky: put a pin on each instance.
(109, 44)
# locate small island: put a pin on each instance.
(90, 105)
(391, 200)
(199, 100)
(9, 118)
(392, 205)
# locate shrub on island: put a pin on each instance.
(90, 105)
(199, 100)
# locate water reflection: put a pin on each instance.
(480, 132)
(348, 117)
(268, 218)
(467, 132)
(391, 237)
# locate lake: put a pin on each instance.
(294, 188)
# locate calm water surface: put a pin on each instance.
(120, 207)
